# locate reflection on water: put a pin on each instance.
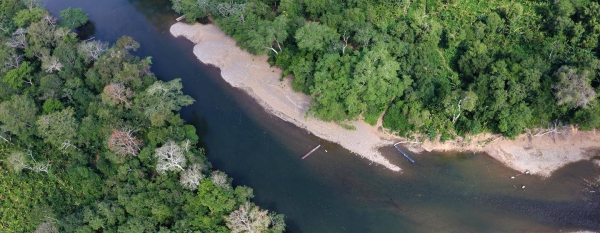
(86, 31)
(336, 191)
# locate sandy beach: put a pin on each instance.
(541, 155)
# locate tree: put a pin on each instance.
(19, 161)
(18, 39)
(192, 176)
(574, 88)
(73, 17)
(51, 64)
(31, 4)
(219, 178)
(50, 87)
(467, 101)
(163, 97)
(18, 115)
(375, 84)
(267, 34)
(28, 16)
(170, 157)
(117, 93)
(248, 218)
(90, 113)
(46, 227)
(52, 105)
(127, 43)
(58, 128)
(314, 36)
(41, 39)
(16, 77)
(277, 222)
(191, 9)
(92, 50)
(122, 142)
(13, 60)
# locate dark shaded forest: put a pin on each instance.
(91, 140)
(438, 68)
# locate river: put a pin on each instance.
(336, 191)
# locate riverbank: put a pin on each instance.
(254, 75)
(539, 155)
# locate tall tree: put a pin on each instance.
(574, 88)
(248, 218)
(170, 157)
(161, 98)
(315, 37)
(18, 115)
(59, 128)
(16, 77)
(73, 17)
(124, 143)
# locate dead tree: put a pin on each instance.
(117, 93)
(50, 20)
(248, 218)
(456, 115)
(18, 160)
(9, 139)
(51, 64)
(18, 39)
(170, 157)
(66, 145)
(192, 176)
(46, 227)
(554, 129)
(574, 88)
(219, 178)
(122, 142)
(92, 50)
(345, 39)
(31, 4)
(13, 61)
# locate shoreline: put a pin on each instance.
(253, 74)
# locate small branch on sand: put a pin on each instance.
(554, 128)
(407, 142)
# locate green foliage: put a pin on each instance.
(73, 17)
(58, 127)
(51, 105)
(57, 172)
(161, 98)
(18, 116)
(314, 37)
(191, 9)
(25, 17)
(447, 67)
(15, 78)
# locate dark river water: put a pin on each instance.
(338, 191)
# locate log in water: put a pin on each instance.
(310, 152)
(405, 155)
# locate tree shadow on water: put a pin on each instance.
(86, 31)
(199, 122)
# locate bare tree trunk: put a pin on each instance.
(272, 49)
(345, 38)
(456, 116)
(278, 45)
(3, 138)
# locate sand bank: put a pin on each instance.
(540, 155)
(254, 75)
